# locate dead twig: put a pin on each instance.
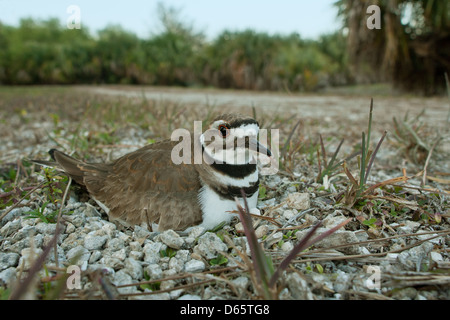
(425, 167)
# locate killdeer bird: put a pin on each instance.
(147, 186)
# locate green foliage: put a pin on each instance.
(169, 252)
(370, 222)
(219, 260)
(4, 293)
(262, 193)
(40, 213)
(46, 52)
(152, 286)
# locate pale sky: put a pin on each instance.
(308, 18)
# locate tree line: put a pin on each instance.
(46, 52)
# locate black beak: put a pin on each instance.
(256, 146)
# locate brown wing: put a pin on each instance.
(134, 188)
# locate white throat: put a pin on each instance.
(216, 210)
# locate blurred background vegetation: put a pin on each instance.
(411, 51)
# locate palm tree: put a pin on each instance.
(411, 49)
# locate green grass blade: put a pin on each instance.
(372, 158)
(362, 164)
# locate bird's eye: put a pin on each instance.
(224, 131)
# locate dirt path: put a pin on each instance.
(328, 107)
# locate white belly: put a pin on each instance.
(217, 210)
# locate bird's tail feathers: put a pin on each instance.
(64, 163)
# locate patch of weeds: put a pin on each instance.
(291, 148)
(290, 235)
(407, 135)
(54, 186)
(169, 252)
(46, 216)
(218, 261)
(153, 286)
(4, 293)
(14, 180)
(262, 192)
(11, 194)
(328, 168)
(263, 273)
(358, 187)
(317, 266)
(370, 222)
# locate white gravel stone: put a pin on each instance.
(136, 255)
(340, 237)
(92, 242)
(78, 219)
(209, 245)
(46, 228)
(273, 238)
(120, 254)
(115, 244)
(172, 239)
(151, 251)
(288, 214)
(78, 255)
(9, 259)
(135, 246)
(287, 246)
(196, 231)
(154, 271)
(299, 287)
(8, 277)
(152, 297)
(190, 297)
(189, 242)
(194, 265)
(261, 231)
(342, 282)
(10, 227)
(121, 277)
(333, 220)
(175, 294)
(28, 256)
(95, 256)
(141, 233)
(109, 229)
(177, 264)
(241, 283)
(13, 214)
(70, 228)
(112, 262)
(273, 181)
(436, 256)
(299, 201)
(134, 268)
(413, 258)
(183, 255)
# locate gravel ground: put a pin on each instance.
(392, 249)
